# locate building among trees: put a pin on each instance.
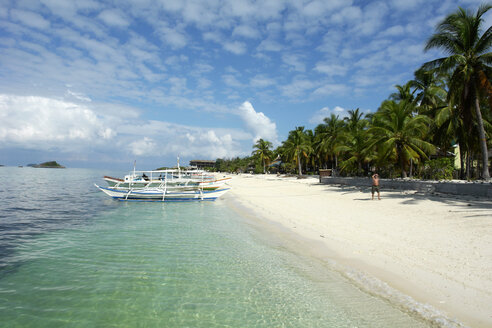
(202, 163)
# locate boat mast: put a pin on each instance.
(179, 171)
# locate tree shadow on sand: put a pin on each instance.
(465, 203)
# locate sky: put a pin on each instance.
(101, 84)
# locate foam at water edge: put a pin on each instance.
(405, 303)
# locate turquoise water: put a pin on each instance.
(70, 256)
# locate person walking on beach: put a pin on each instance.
(375, 185)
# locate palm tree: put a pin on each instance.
(296, 146)
(405, 92)
(263, 152)
(400, 134)
(460, 35)
(430, 91)
(329, 137)
(355, 141)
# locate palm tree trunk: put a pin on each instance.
(483, 141)
(299, 164)
(264, 169)
(462, 163)
(479, 173)
(402, 161)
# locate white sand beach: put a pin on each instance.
(435, 249)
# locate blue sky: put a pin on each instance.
(103, 83)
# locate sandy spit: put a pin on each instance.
(435, 249)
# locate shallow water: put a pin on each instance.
(69, 255)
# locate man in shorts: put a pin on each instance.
(375, 185)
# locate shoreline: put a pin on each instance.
(435, 249)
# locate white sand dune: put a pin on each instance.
(437, 250)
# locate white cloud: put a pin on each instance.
(43, 123)
(153, 140)
(372, 19)
(246, 31)
(143, 147)
(298, 87)
(403, 5)
(78, 96)
(324, 112)
(113, 18)
(258, 123)
(270, 45)
(347, 15)
(396, 30)
(204, 83)
(235, 47)
(173, 37)
(294, 61)
(331, 69)
(48, 124)
(261, 81)
(231, 81)
(213, 36)
(29, 18)
(331, 89)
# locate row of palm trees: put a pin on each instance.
(448, 103)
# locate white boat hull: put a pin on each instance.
(208, 184)
(158, 194)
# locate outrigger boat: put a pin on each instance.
(165, 185)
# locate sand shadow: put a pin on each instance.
(412, 197)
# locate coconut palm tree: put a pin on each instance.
(460, 36)
(430, 91)
(329, 137)
(296, 146)
(399, 134)
(354, 142)
(263, 152)
(405, 92)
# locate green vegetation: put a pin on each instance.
(447, 106)
(438, 169)
(263, 152)
(234, 165)
(51, 165)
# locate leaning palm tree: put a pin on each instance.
(399, 134)
(263, 152)
(297, 147)
(460, 36)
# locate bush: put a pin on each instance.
(258, 168)
(438, 169)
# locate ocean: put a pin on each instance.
(72, 257)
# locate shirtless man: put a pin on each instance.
(375, 185)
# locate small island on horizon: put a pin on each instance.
(49, 165)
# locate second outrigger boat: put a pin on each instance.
(166, 185)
